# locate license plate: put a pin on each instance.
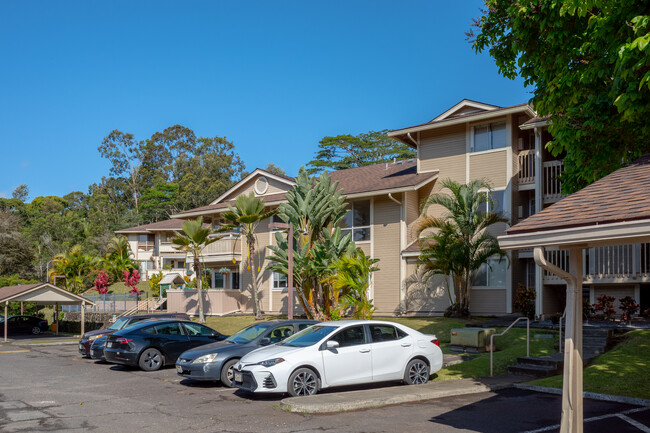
(238, 378)
(179, 368)
(109, 344)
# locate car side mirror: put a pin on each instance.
(265, 341)
(332, 344)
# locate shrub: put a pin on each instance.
(605, 305)
(629, 307)
(525, 301)
(587, 309)
(154, 281)
(101, 283)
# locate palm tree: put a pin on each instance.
(119, 246)
(118, 257)
(350, 277)
(194, 238)
(458, 243)
(246, 215)
(73, 266)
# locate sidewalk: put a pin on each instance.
(377, 397)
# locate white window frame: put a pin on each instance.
(366, 227)
(232, 282)
(278, 280)
(214, 280)
(503, 202)
(490, 140)
(504, 261)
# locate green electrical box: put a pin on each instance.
(471, 339)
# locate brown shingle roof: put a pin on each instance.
(9, 291)
(166, 225)
(414, 247)
(617, 197)
(223, 206)
(379, 177)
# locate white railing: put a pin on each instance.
(560, 259)
(552, 187)
(508, 329)
(229, 245)
(526, 167)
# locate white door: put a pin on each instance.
(391, 349)
(350, 362)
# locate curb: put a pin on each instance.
(350, 401)
(592, 395)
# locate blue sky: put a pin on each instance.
(274, 77)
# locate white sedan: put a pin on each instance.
(340, 353)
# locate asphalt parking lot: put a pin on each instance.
(50, 388)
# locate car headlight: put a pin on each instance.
(205, 358)
(271, 362)
(94, 337)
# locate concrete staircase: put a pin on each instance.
(594, 342)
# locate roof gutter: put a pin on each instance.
(408, 134)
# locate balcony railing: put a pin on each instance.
(527, 167)
(225, 246)
(602, 265)
(552, 191)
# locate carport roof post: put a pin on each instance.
(41, 294)
(614, 210)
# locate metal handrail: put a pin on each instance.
(562, 317)
(508, 329)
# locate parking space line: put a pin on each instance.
(636, 424)
(14, 351)
(598, 418)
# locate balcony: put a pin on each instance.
(606, 265)
(224, 249)
(551, 170)
(526, 170)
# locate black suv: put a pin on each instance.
(121, 323)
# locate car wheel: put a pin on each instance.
(36, 330)
(151, 360)
(417, 372)
(303, 382)
(228, 372)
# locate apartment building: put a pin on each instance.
(471, 140)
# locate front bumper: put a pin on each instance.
(258, 381)
(120, 356)
(207, 371)
(84, 347)
(97, 352)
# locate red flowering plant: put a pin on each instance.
(131, 279)
(525, 301)
(605, 306)
(101, 282)
(629, 307)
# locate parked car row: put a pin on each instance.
(24, 324)
(298, 357)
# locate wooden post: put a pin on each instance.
(83, 320)
(56, 317)
(6, 319)
(22, 308)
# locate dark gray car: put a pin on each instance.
(215, 361)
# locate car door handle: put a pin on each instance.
(406, 344)
(364, 350)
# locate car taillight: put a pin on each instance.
(436, 342)
(121, 340)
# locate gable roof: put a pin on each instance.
(290, 181)
(41, 293)
(166, 225)
(618, 197)
(269, 200)
(465, 104)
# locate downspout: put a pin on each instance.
(390, 196)
(402, 264)
(408, 134)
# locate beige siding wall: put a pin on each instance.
(264, 277)
(214, 302)
(412, 206)
(488, 301)
(281, 306)
(491, 166)
(365, 247)
(275, 187)
(422, 297)
(616, 291)
(387, 250)
(444, 150)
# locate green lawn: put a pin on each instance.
(621, 371)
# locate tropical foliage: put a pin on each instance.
(245, 216)
(350, 276)
(194, 238)
(588, 65)
(314, 208)
(457, 243)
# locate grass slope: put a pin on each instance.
(621, 371)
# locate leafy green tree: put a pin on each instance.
(125, 156)
(159, 202)
(350, 276)
(118, 258)
(588, 64)
(73, 269)
(314, 208)
(16, 255)
(248, 212)
(459, 239)
(347, 151)
(275, 169)
(20, 192)
(194, 238)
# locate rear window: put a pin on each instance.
(169, 329)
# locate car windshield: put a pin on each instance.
(248, 334)
(309, 336)
(119, 324)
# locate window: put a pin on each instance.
(494, 202)
(304, 326)
(491, 274)
(357, 220)
(194, 329)
(169, 329)
(219, 280)
(145, 242)
(280, 333)
(491, 136)
(143, 267)
(351, 336)
(234, 280)
(380, 333)
(530, 274)
(280, 281)
(180, 264)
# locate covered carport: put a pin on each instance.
(615, 210)
(41, 294)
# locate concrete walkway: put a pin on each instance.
(376, 397)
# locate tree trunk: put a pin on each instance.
(251, 263)
(199, 286)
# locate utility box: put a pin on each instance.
(471, 339)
